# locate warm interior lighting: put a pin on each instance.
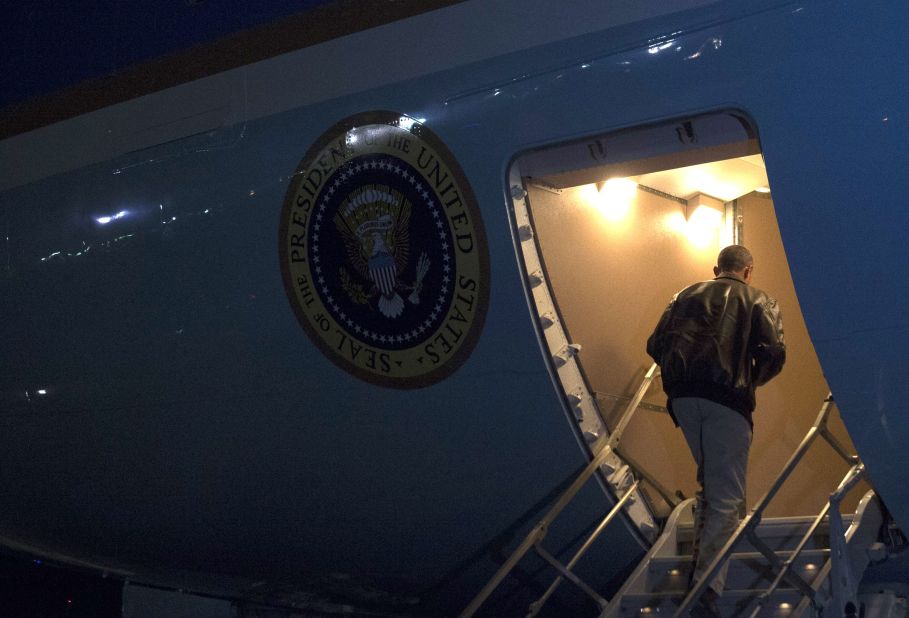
(613, 198)
(622, 188)
(762, 189)
(705, 216)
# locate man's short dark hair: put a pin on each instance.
(734, 259)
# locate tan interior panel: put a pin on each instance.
(612, 272)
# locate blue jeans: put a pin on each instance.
(719, 438)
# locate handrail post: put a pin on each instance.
(829, 437)
(765, 596)
(537, 605)
(841, 571)
(616, 434)
(567, 574)
(774, 560)
(512, 561)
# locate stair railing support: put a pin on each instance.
(539, 531)
(764, 597)
(843, 581)
(537, 605)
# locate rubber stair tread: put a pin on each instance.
(728, 592)
(729, 596)
(747, 555)
(792, 519)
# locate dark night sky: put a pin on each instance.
(50, 44)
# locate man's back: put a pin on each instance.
(715, 342)
(719, 340)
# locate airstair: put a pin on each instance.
(779, 567)
(753, 588)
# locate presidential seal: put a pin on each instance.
(383, 251)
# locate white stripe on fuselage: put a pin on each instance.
(427, 43)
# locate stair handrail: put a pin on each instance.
(764, 597)
(538, 532)
(837, 540)
(749, 524)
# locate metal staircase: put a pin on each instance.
(659, 584)
(833, 590)
(793, 566)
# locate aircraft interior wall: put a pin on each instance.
(612, 272)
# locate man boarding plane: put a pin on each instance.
(338, 329)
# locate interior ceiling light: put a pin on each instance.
(704, 216)
(622, 188)
(613, 198)
(704, 208)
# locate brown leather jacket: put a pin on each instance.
(719, 340)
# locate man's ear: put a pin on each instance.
(716, 271)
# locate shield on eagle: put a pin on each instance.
(373, 222)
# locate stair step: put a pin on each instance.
(733, 603)
(747, 570)
(782, 533)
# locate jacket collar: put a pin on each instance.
(730, 276)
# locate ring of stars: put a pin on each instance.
(348, 172)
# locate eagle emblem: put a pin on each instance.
(383, 251)
(374, 223)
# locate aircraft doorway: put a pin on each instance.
(608, 229)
